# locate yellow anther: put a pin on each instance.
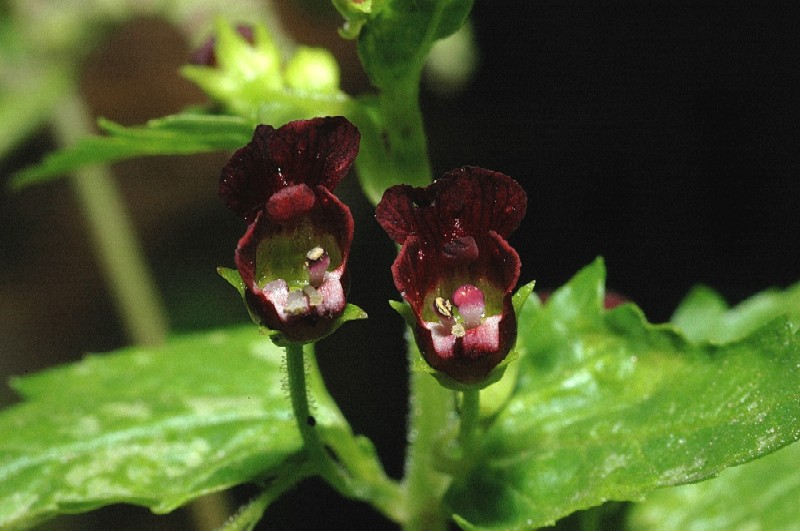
(315, 254)
(444, 307)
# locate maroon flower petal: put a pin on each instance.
(469, 359)
(289, 202)
(312, 152)
(418, 270)
(316, 152)
(293, 257)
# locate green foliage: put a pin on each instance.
(180, 134)
(704, 315)
(764, 494)
(606, 407)
(610, 407)
(595, 405)
(152, 426)
(253, 85)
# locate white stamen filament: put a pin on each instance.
(296, 302)
(314, 296)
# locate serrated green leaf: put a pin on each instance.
(181, 134)
(610, 407)
(764, 494)
(151, 426)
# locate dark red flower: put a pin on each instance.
(293, 256)
(455, 268)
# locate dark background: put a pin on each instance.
(662, 136)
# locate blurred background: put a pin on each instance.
(660, 135)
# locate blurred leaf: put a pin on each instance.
(704, 314)
(181, 134)
(764, 494)
(610, 407)
(152, 426)
(26, 102)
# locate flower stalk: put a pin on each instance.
(353, 473)
(470, 418)
(430, 419)
(296, 373)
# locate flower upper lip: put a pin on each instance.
(317, 152)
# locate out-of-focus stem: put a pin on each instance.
(112, 233)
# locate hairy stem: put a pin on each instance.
(430, 421)
(296, 369)
(356, 473)
(251, 513)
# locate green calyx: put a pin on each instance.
(312, 70)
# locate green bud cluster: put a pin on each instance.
(250, 75)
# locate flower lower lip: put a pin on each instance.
(485, 337)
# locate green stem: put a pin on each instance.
(251, 513)
(296, 369)
(430, 422)
(359, 475)
(118, 249)
(406, 142)
(470, 416)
